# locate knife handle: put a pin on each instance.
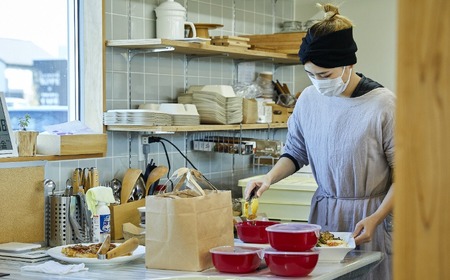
(127, 247)
(76, 178)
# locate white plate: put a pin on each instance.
(56, 253)
(18, 247)
(337, 254)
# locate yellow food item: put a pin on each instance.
(84, 251)
(245, 212)
(333, 243)
(254, 204)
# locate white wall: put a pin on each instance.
(375, 33)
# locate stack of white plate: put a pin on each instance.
(218, 104)
(182, 114)
(136, 117)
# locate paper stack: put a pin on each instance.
(218, 104)
(181, 114)
(136, 117)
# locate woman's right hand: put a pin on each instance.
(262, 184)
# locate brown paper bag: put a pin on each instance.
(182, 226)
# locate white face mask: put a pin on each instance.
(331, 87)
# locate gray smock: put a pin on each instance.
(349, 144)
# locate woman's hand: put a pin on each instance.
(365, 229)
(262, 184)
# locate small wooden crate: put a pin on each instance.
(280, 114)
(76, 144)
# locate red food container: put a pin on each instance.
(293, 264)
(235, 259)
(254, 231)
(293, 237)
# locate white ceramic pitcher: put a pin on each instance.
(170, 21)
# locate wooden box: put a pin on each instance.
(280, 114)
(249, 110)
(76, 144)
(122, 214)
(288, 43)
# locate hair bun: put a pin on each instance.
(330, 15)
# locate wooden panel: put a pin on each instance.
(22, 204)
(422, 188)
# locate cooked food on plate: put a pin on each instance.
(84, 251)
(327, 239)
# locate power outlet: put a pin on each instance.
(144, 139)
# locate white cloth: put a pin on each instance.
(96, 194)
(52, 267)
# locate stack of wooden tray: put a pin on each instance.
(231, 41)
(288, 43)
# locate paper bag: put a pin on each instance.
(181, 228)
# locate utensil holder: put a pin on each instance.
(61, 229)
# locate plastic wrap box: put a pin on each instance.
(76, 144)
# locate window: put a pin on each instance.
(44, 70)
(38, 62)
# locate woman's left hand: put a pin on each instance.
(365, 229)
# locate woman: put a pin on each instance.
(343, 127)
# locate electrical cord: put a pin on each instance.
(154, 139)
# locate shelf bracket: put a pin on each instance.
(192, 56)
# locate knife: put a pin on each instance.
(125, 248)
(102, 251)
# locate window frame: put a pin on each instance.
(92, 65)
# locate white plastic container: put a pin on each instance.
(101, 222)
(288, 199)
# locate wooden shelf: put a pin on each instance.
(50, 158)
(200, 48)
(203, 49)
(203, 127)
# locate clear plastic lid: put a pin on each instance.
(272, 251)
(236, 250)
(294, 228)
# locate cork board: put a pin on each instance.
(22, 204)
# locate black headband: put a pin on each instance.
(331, 50)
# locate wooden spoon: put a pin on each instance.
(128, 183)
(156, 174)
